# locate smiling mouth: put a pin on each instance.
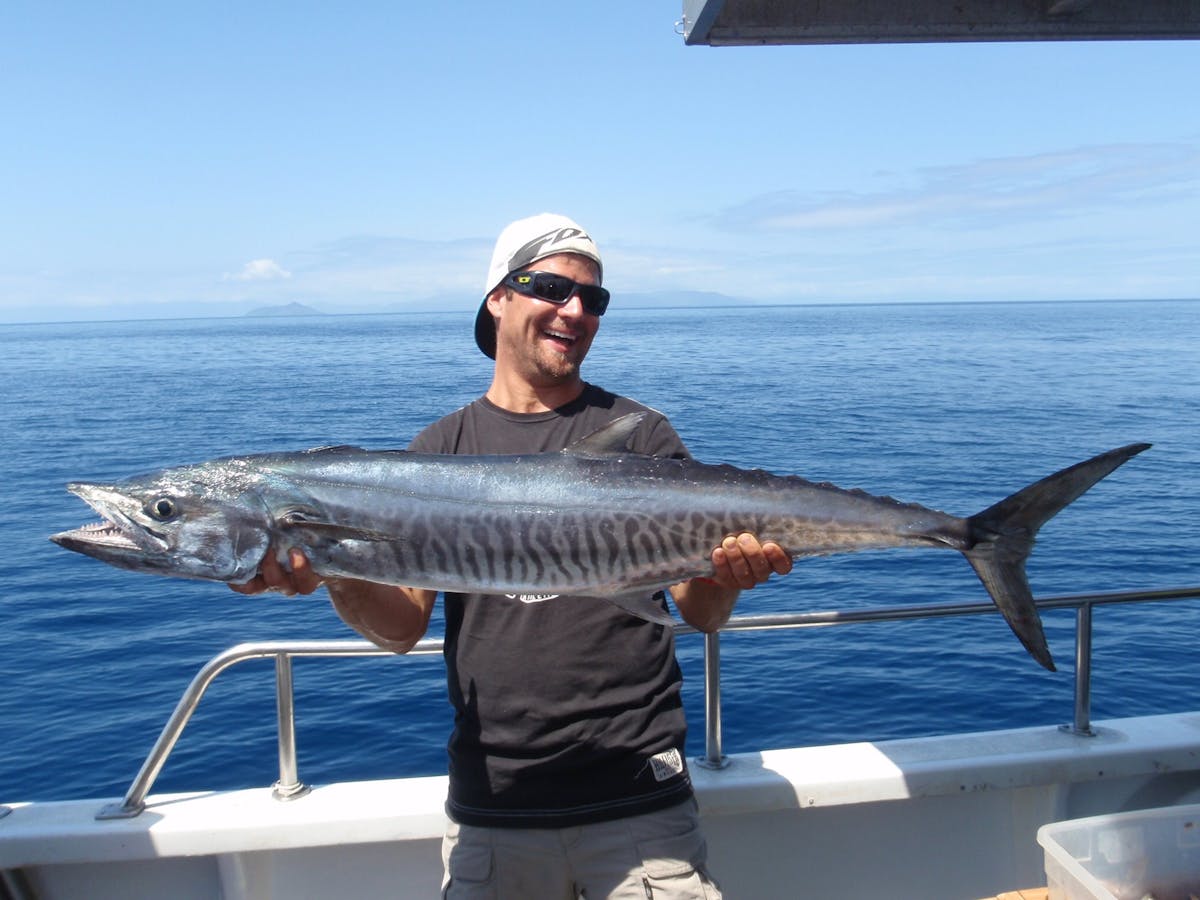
(570, 340)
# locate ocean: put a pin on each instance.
(950, 405)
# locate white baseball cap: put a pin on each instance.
(520, 245)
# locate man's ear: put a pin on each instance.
(494, 301)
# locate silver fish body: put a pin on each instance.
(591, 521)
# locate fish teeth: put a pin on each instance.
(98, 527)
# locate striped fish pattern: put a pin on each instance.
(591, 521)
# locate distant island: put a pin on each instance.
(686, 299)
(285, 309)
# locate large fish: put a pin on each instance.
(593, 520)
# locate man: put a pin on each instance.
(567, 774)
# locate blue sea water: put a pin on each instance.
(953, 406)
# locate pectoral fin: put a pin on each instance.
(652, 609)
(311, 521)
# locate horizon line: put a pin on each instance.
(733, 303)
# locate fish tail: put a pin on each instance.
(1002, 537)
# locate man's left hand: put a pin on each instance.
(743, 562)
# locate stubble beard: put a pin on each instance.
(555, 368)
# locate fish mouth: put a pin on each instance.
(116, 533)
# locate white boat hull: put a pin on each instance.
(944, 817)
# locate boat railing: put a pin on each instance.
(290, 787)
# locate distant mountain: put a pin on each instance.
(459, 302)
(676, 298)
(285, 309)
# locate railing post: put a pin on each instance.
(713, 757)
(289, 786)
(1082, 723)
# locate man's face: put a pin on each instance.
(544, 341)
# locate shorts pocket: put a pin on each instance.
(469, 872)
(674, 868)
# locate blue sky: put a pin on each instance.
(162, 159)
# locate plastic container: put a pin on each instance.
(1150, 854)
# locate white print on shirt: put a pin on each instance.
(666, 765)
(531, 598)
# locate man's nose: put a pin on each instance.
(573, 308)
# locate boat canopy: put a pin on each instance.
(742, 22)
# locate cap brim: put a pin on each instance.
(485, 331)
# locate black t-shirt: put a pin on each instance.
(567, 710)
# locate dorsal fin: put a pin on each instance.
(611, 440)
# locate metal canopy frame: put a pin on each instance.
(749, 22)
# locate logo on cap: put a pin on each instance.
(537, 248)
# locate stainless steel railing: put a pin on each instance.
(289, 786)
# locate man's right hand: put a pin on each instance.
(394, 618)
(274, 577)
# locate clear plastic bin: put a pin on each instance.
(1150, 854)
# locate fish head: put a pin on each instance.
(194, 522)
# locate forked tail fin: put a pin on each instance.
(1003, 535)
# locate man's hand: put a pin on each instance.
(274, 577)
(394, 618)
(743, 562)
(740, 563)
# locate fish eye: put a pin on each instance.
(162, 509)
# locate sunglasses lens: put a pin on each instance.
(555, 288)
(593, 298)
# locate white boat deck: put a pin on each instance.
(945, 817)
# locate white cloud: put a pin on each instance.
(1082, 182)
(261, 270)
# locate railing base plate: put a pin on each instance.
(290, 791)
(119, 811)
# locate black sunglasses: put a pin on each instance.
(559, 289)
